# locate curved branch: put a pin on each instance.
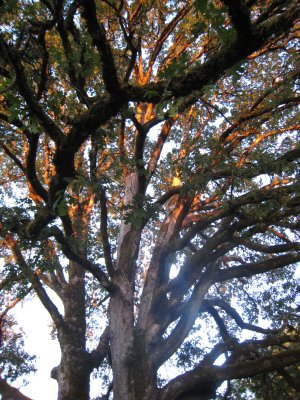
(280, 248)
(237, 318)
(52, 130)
(104, 233)
(218, 320)
(195, 381)
(31, 167)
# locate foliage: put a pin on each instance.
(15, 360)
(150, 179)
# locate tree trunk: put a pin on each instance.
(133, 378)
(73, 373)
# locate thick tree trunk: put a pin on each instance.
(73, 373)
(133, 378)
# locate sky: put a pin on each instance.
(35, 322)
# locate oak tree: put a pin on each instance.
(149, 178)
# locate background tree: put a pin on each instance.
(15, 361)
(149, 178)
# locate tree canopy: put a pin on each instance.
(149, 179)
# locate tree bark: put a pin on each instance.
(73, 372)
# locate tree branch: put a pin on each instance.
(97, 33)
(240, 17)
(237, 318)
(280, 248)
(100, 353)
(169, 28)
(8, 392)
(188, 317)
(36, 284)
(12, 156)
(196, 380)
(104, 233)
(251, 269)
(221, 60)
(31, 174)
(52, 130)
(77, 81)
(83, 262)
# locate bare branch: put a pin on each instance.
(238, 319)
(102, 351)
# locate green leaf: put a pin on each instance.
(152, 94)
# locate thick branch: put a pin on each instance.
(31, 167)
(97, 33)
(221, 60)
(263, 248)
(188, 317)
(240, 17)
(8, 392)
(251, 269)
(101, 352)
(194, 381)
(104, 233)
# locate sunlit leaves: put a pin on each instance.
(228, 143)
